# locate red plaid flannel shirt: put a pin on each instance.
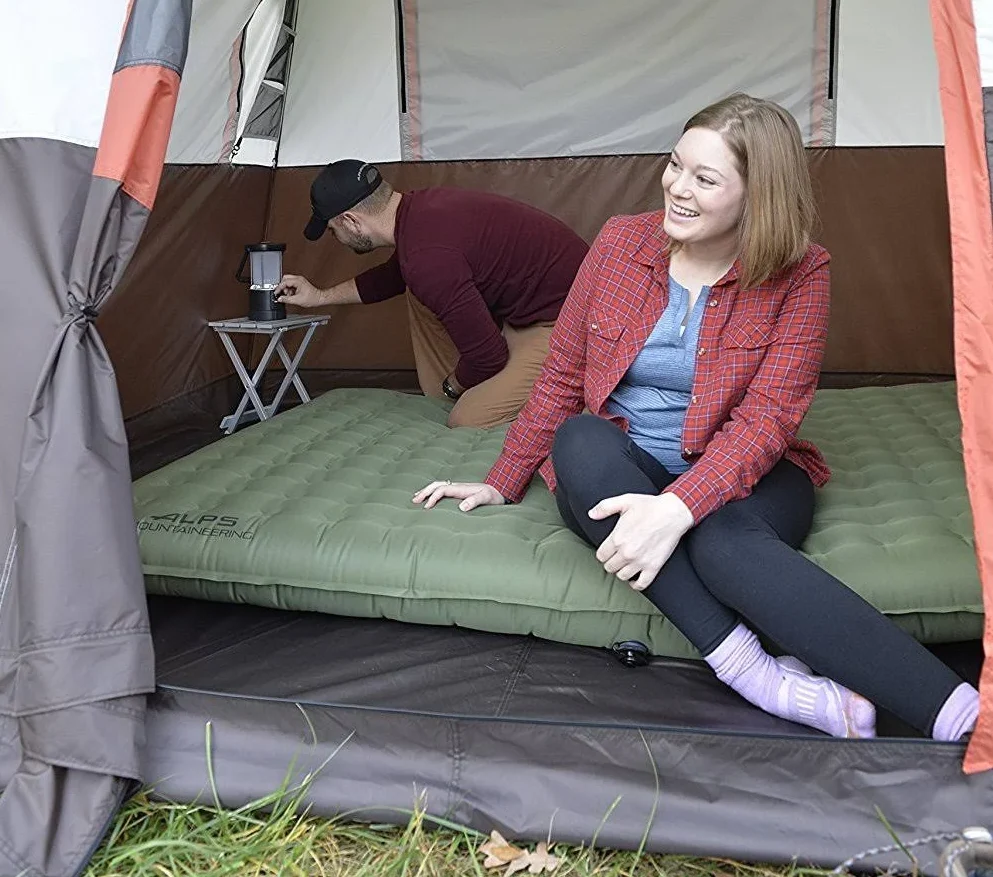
(758, 363)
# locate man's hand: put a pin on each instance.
(299, 291)
(471, 494)
(456, 387)
(644, 537)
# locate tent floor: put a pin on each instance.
(530, 737)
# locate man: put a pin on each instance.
(485, 276)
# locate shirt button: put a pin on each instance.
(693, 399)
(594, 326)
(688, 450)
(713, 302)
(702, 351)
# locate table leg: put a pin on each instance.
(230, 423)
(291, 375)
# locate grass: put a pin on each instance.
(275, 836)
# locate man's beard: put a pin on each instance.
(361, 243)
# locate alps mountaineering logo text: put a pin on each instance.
(192, 523)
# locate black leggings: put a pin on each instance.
(741, 563)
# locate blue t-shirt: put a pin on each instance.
(655, 391)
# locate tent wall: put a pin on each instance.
(883, 209)
(887, 75)
(579, 77)
(884, 91)
(891, 299)
(344, 97)
(261, 38)
(80, 162)
(891, 282)
(208, 107)
(182, 276)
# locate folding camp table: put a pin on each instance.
(276, 329)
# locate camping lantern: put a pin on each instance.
(266, 261)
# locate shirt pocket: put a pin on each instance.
(604, 333)
(749, 335)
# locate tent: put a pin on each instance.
(216, 115)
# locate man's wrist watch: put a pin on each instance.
(449, 390)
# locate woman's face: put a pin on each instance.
(704, 192)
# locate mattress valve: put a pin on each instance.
(632, 653)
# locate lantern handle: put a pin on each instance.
(238, 274)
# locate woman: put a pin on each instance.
(695, 336)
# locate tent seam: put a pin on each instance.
(149, 62)
(83, 637)
(12, 854)
(73, 764)
(455, 784)
(8, 567)
(515, 676)
(89, 700)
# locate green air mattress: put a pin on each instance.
(312, 511)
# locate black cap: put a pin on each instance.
(337, 188)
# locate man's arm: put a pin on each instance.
(299, 291)
(381, 282)
(376, 284)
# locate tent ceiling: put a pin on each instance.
(392, 79)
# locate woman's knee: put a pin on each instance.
(717, 542)
(576, 442)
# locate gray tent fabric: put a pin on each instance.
(76, 655)
(487, 81)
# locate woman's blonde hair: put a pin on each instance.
(779, 212)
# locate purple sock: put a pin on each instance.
(957, 715)
(786, 688)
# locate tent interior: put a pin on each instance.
(570, 107)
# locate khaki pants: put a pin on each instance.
(495, 401)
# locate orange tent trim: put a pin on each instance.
(971, 221)
(136, 129)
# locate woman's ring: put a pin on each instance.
(448, 482)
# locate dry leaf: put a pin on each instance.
(542, 860)
(518, 864)
(499, 851)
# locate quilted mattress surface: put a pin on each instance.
(312, 511)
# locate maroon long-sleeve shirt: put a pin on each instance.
(477, 261)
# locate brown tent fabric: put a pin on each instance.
(889, 277)
(181, 277)
(883, 215)
(75, 650)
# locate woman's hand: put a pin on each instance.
(471, 494)
(644, 537)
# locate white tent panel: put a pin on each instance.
(983, 16)
(206, 114)
(520, 79)
(65, 97)
(887, 91)
(343, 96)
(256, 150)
(260, 43)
